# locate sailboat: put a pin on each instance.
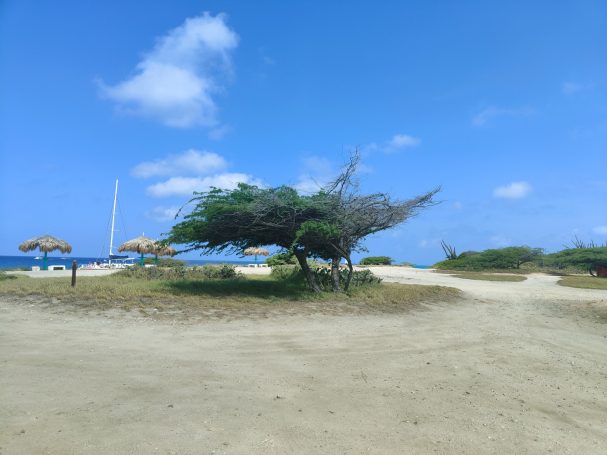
(113, 261)
(119, 259)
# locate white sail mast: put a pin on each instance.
(113, 219)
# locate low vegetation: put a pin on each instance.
(6, 276)
(323, 276)
(206, 272)
(504, 259)
(281, 259)
(376, 260)
(243, 293)
(164, 262)
(582, 258)
(585, 282)
(489, 276)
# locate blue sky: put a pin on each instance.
(504, 104)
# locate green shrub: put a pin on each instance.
(207, 272)
(165, 262)
(287, 273)
(6, 276)
(218, 272)
(323, 276)
(359, 277)
(281, 259)
(363, 277)
(376, 260)
(582, 259)
(499, 259)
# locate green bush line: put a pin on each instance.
(523, 258)
(376, 260)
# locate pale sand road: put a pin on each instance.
(513, 368)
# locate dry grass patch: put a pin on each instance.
(489, 276)
(586, 282)
(244, 295)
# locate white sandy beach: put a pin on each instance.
(510, 368)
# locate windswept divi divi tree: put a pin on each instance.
(330, 224)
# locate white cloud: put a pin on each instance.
(483, 117)
(401, 141)
(307, 184)
(601, 230)
(457, 205)
(175, 82)
(316, 173)
(185, 186)
(514, 190)
(190, 162)
(162, 214)
(570, 88)
(397, 143)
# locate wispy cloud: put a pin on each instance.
(185, 186)
(492, 112)
(316, 173)
(396, 143)
(162, 214)
(571, 88)
(514, 190)
(402, 141)
(176, 81)
(220, 132)
(190, 162)
(601, 230)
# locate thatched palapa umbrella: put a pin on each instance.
(254, 251)
(46, 244)
(164, 250)
(142, 245)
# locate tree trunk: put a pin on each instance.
(305, 268)
(335, 273)
(350, 272)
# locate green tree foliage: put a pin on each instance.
(281, 259)
(583, 258)
(248, 216)
(498, 259)
(376, 260)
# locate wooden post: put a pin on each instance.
(74, 267)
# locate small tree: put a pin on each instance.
(376, 260)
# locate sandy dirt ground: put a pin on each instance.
(512, 368)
